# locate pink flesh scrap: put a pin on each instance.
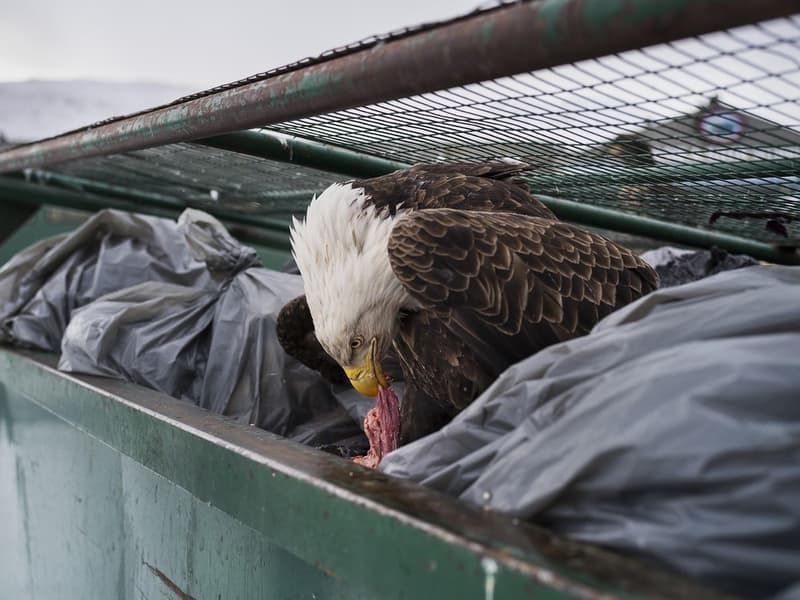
(382, 426)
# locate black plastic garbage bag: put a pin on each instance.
(671, 431)
(676, 266)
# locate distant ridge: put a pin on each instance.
(31, 110)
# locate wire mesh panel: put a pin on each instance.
(198, 176)
(702, 131)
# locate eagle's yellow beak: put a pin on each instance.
(369, 376)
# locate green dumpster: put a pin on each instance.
(112, 490)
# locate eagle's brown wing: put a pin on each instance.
(482, 187)
(495, 169)
(295, 329)
(509, 284)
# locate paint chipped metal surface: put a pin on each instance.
(365, 532)
(511, 39)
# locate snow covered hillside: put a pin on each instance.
(31, 110)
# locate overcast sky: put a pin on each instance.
(196, 44)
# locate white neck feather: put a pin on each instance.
(341, 251)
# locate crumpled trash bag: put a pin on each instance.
(791, 592)
(663, 255)
(215, 348)
(151, 334)
(178, 307)
(671, 432)
(113, 250)
(676, 266)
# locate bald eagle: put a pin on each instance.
(451, 271)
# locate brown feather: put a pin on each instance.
(537, 280)
(488, 186)
(295, 329)
(497, 278)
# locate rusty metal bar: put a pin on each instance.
(512, 39)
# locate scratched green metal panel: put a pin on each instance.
(93, 520)
(203, 551)
(68, 509)
(14, 549)
(47, 222)
(84, 521)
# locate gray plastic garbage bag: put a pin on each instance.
(113, 250)
(248, 375)
(671, 432)
(215, 348)
(152, 334)
(791, 592)
(676, 266)
(179, 307)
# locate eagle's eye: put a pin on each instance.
(356, 342)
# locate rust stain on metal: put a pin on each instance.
(329, 572)
(179, 593)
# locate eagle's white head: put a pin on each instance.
(352, 293)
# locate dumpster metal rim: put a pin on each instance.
(542, 574)
(517, 547)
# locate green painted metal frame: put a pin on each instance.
(595, 216)
(308, 153)
(71, 182)
(381, 537)
(274, 232)
(489, 44)
(720, 171)
(277, 146)
(273, 145)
